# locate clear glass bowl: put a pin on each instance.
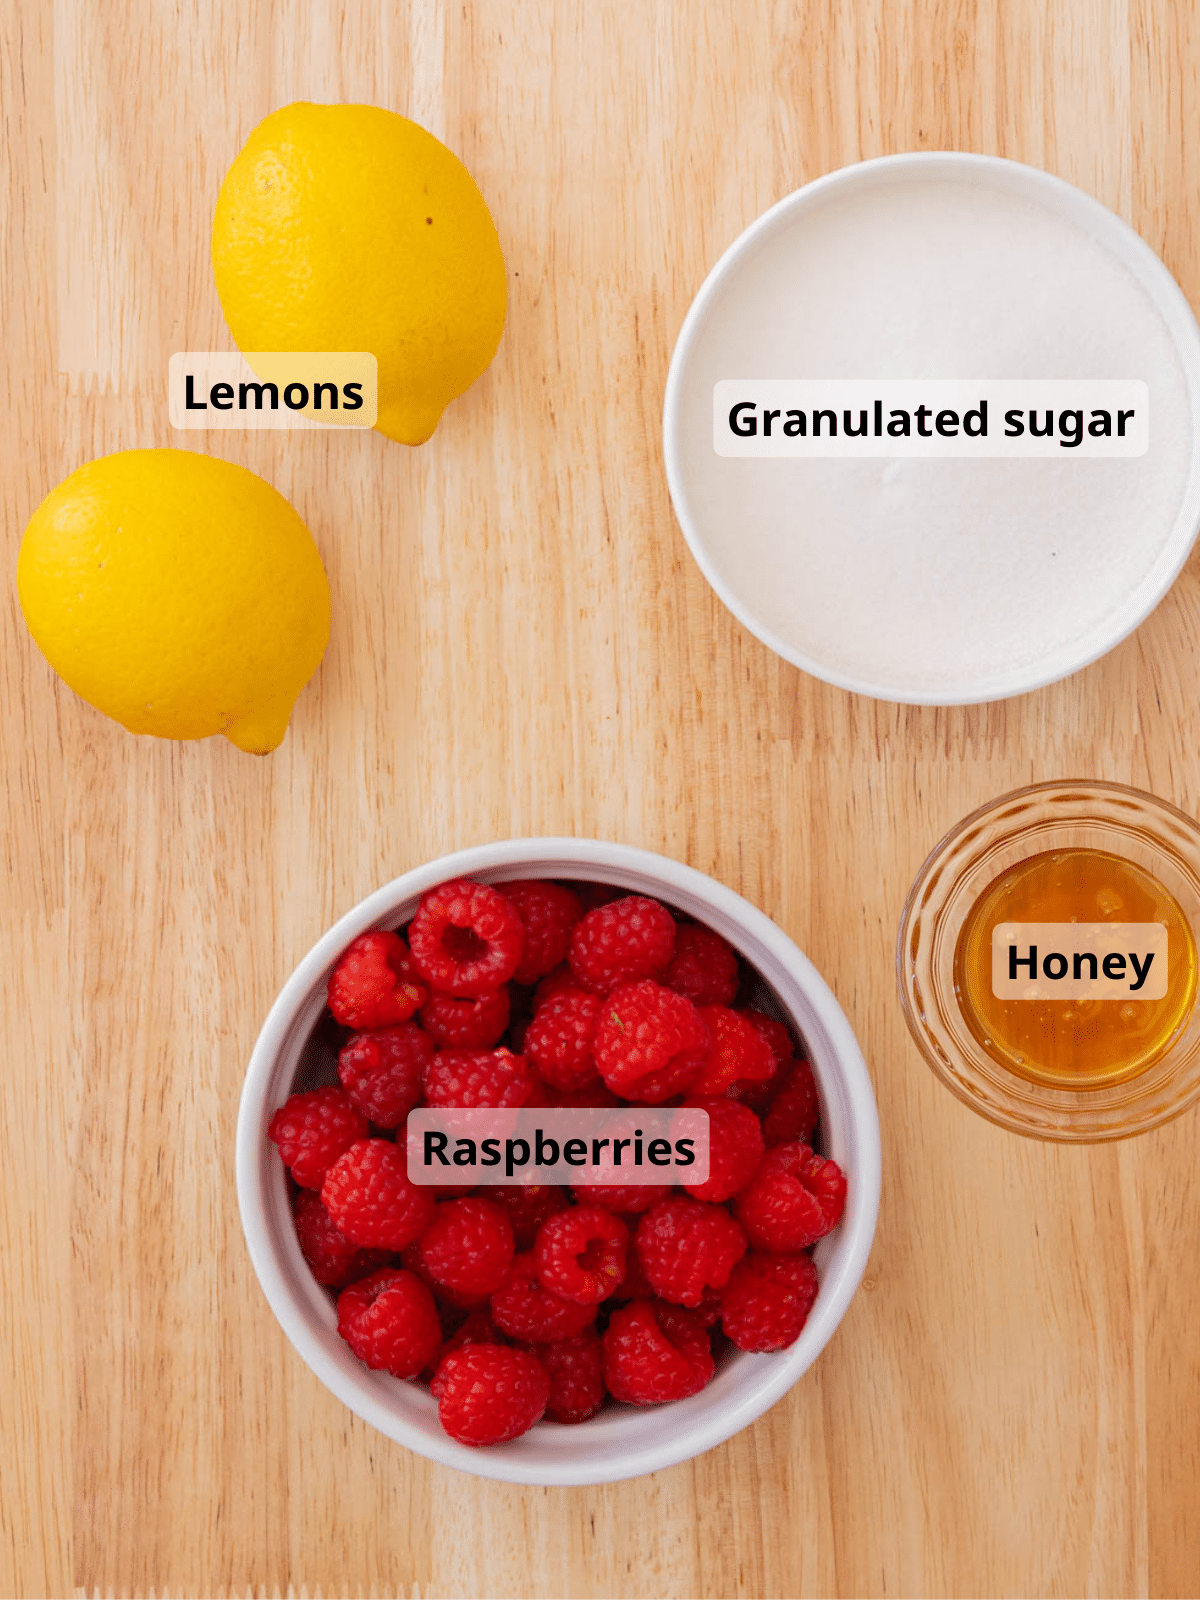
(1028, 822)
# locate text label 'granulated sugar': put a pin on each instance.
(1063, 418)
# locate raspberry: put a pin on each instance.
(390, 1322)
(468, 1247)
(795, 1198)
(650, 1357)
(758, 1094)
(381, 1071)
(372, 1199)
(312, 1130)
(575, 1368)
(524, 1308)
(528, 1205)
(739, 1051)
(548, 912)
(333, 1260)
(767, 1300)
(558, 1040)
(375, 982)
(467, 1022)
(685, 1245)
(466, 938)
(795, 1110)
(650, 1042)
(580, 1253)
(704, 967)
(735, 1148)
(450, 1303)
(630, 1198)
(490, 1393)
(774, 1032)
(618, 943)
(478, 1078)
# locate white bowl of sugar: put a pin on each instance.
(956, 578)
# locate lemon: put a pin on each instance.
(179, 594)
(351, 228)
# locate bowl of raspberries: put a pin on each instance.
(540, 1332)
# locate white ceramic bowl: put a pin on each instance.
(623, 1441)
(731, 286)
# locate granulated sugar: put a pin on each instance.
(931, 574)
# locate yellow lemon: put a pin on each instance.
(351, 228)
(179, 594)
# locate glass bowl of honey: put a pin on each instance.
(1047, 961)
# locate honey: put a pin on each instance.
(1076, 1041)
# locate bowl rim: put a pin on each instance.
(781, 1369)
(1111, 232)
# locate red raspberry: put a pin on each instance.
(735, 1148)
(758, 1094)
(618, 943)
(466, 938)
(558, 1040)
(468, 1247)
(372, 1199)
(490, 1393)
(478, 1078)
(528, 1205)
(375, 982)
(650, 1042)
(390, 1321)
(524, 1308)
(548, 912)
(381, 1071)
(556, 982)
(450, 1303)
(685, 1245)
(313, 1129)
(795, 1110)
(767, 1300)
(580, 1253)
(739, 1051)
(333, 1260)
(776, 1035)
(704, 966)
(467, 1022)
(575, 1368)
(650, 1357)
(795, 1198)
(630, 1198)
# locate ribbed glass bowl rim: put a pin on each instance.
(1155, 821)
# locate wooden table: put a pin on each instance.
(522, 645)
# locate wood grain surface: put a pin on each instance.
(522, 645)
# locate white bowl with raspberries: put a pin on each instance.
(549, 1335)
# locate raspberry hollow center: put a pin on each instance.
(598, 1256)
(463, 944)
